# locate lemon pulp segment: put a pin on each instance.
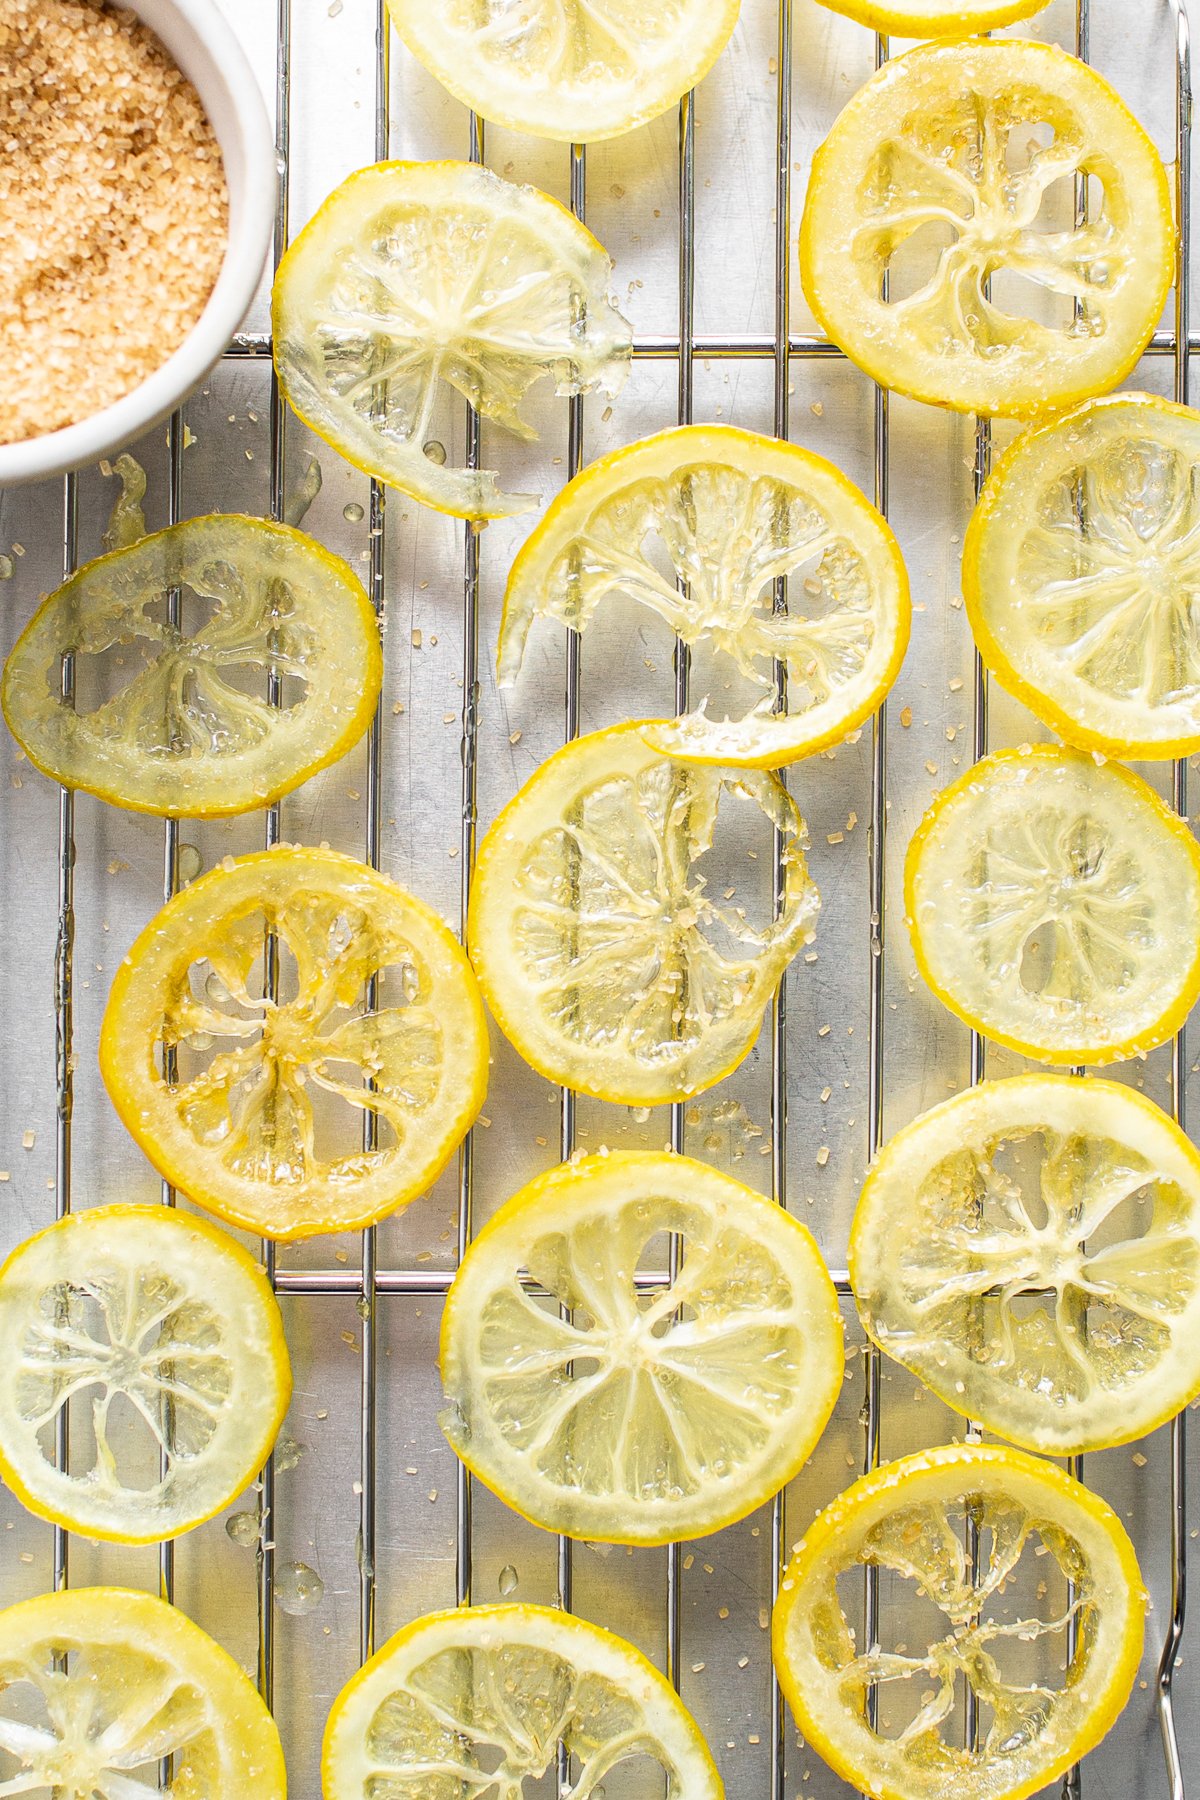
(418, 282)
(176, 720)
(576, 70)
(600, 950)
(1029, 1249)
(939, 246)
(1054, 905)
(644, 1417)
(263, 1123)
(1080, 571)
(482, 1698)
(1003, 1631)
(730, 513)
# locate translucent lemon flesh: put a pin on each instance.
(1029, 1249)
(728, 513)
(418, 285)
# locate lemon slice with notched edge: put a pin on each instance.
(166, 1319)
(1003, 1631)
(576, 70)
(98, 1685)
(176, 721)
(1080, 571)
(1031, 1250)
(933, 192)
(416, 283)
(732, 511)
(478, 1700)
(935, 18)
(599, 948)
(648, 1416)
(1054, 904)
(263, 1120)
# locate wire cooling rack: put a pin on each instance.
(358, 1503)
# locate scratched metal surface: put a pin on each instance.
(707, 1609)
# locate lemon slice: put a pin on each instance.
(169, 1321)
(264, 1120)
(1030, 1250)
(1053, 904)
(649, 1416)
(600, 952)
(97, 1685)
(939, 246)
(731, 512)
(576, 70)
(479, 1700)
(176, 721)
(1080, 570)
(1004, 1633)
(418, 283)
(935, 18)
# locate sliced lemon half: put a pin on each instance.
(175, 720)
(576, 70)
(98, 1685)
(167, 1320)
(1031, 1250)
(1054, 905)
(308, 1111)
(944, 199)
(482, 1697)
(1004, 1636)
(732, 512)
(1080, 570)
(649, 1414)
(935, 18)
(600, 951)
(416, 283)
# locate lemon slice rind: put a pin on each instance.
(935, 18)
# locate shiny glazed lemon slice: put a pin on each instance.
(935, 18)
(649, 1415)
(97, 1685)
(479, 1699)
(169, 1320)
(306, 1112)
(732, 512)
(1054, 905)
(176, 721)
(931, 223)
(1005, 1632)
(417, 283)
(576, 70)
(1030, 1250)
(1080, 572)
(598, 947)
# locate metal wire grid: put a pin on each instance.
(372, 1281)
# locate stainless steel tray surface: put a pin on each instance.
(699, 212)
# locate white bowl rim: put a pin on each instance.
(56, 452)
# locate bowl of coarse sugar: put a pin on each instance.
(137, 201)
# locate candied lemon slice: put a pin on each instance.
(1053, 905)
(319, 1109)
(601, 954)
(646, 1416)
(939, 245)
(1043, 1702)
(419, 282)
(175, 720)
(165, 1318)
(1030, 1250)
(730, 512)
(1080, 571)
(576, 70)
(935, 18)
(481, 1698)
(98, 1685)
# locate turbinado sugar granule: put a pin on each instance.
(113, 210)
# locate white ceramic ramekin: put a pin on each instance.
(205, 48)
